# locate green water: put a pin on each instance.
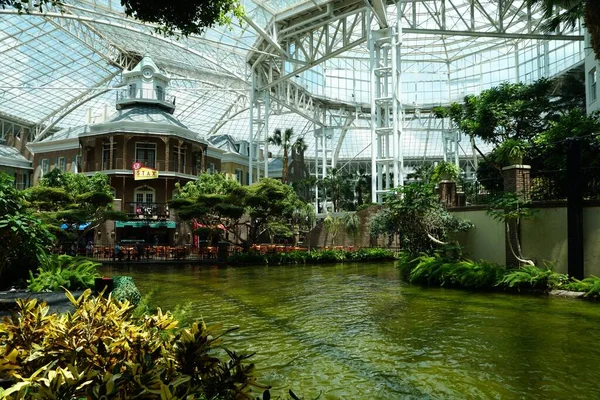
(356, 331)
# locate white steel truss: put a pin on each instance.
(386, 112)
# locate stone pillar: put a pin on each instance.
(517, 179)
(448, 193)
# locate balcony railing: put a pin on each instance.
(126, 95)
(147, 211)
(118, 164)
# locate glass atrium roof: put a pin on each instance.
(62, 67)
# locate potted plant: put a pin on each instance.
(513, 151)
(445, 171)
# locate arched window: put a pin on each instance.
(144, 194)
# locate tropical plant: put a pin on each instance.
(217, 203)
(362, 187)
(22, 234)
(62, 199)
(63, 271)
(568, 13)
(270, 200)
(510, 209)
(512, 151)
(99, 351)
(533, 277)
(332, 227)
(315, 256)
(437, 270)
(590, 286)
(423, 173)
(445, 171)
(351, 222)
(415, 215)
(284, 140)
(507, 111)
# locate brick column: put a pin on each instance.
(517, 179)
(448, 193)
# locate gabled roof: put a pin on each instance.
(225, 142)
(65, 134)
(10, 157)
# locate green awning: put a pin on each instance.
(144, 224)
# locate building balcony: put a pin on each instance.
(160, 165)
(128, 96)
(147, 211)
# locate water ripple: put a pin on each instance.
(357, 332)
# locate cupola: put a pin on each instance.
(146, 85)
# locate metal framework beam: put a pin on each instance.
(50, 120)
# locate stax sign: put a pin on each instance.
(141, 173)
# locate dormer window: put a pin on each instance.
(160, 93)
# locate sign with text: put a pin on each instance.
(141, 173)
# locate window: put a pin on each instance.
(160, 93)
(62, 164)
(45, 166)
(211, 168)
(132, 91)
(179, 162)
(592, 81)
(106, 155)
(239, 176)
(144, 199)
(145, 153)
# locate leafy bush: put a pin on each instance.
(463, 273)
(414, 214)
(247, 257)
(56, 271)
(591, 286)
(124, 289)
(315, 256)
(534, 277)
(99, 351)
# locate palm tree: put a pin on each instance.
(570, 12)
(299, 147)
(362, 186)
(282, 140)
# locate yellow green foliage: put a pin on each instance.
(100, 351)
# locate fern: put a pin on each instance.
(58, 271)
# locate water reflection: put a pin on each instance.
(355, 331)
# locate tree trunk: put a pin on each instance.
(284, 168)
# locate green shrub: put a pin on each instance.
(315, 256)
(56, 271)
(591, 286)
(99, 351)
(534, 277)
(124, 289)
(440, 271)
(247, 257)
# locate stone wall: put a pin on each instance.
(319, 237)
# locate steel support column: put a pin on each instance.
(386, 111)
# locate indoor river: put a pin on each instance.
(357, 331)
